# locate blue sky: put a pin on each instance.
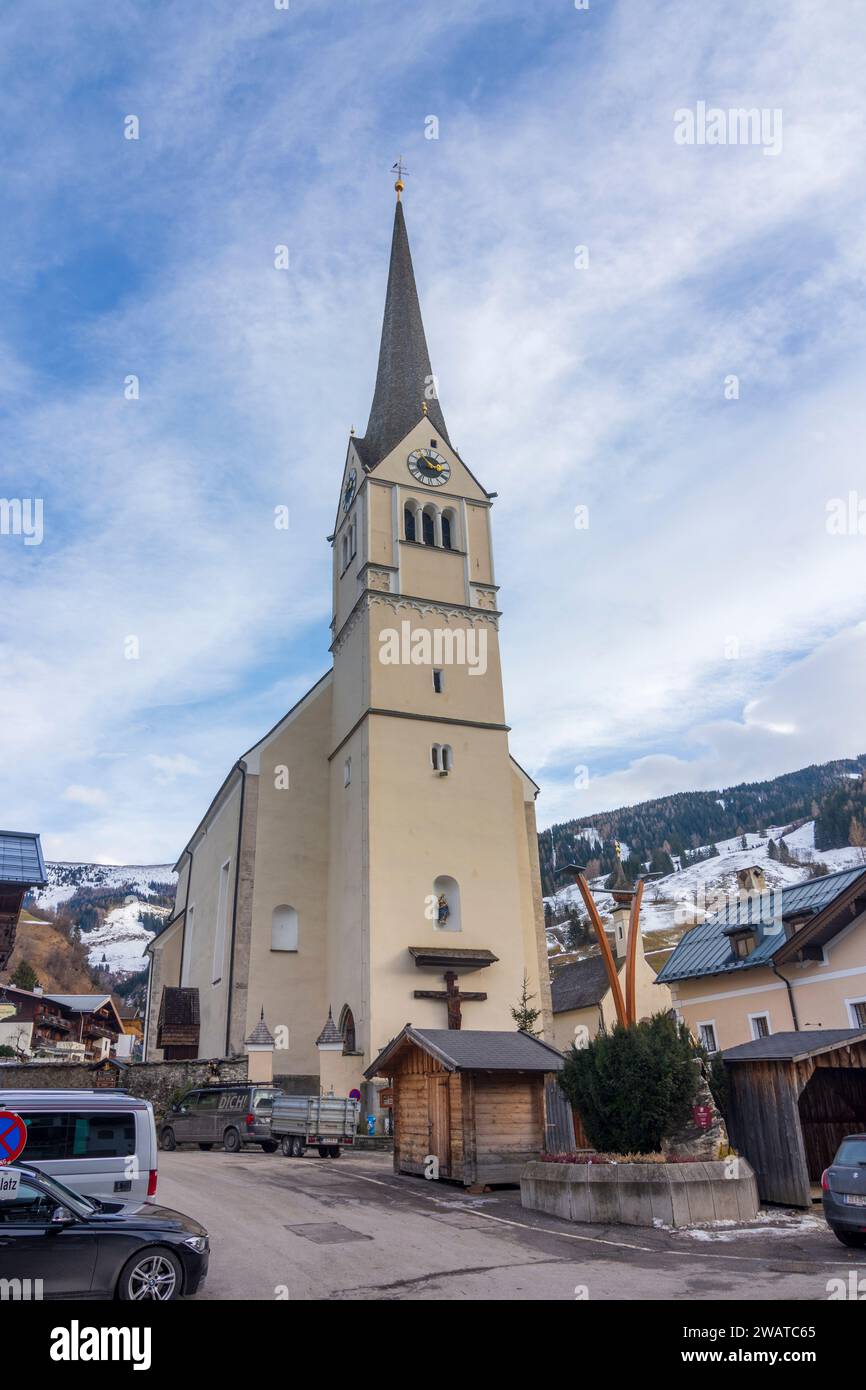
(600, 386)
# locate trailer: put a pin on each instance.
(326, 1123)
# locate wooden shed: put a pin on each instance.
(472, 1100)
(792, 1099)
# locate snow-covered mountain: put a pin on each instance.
(689, 895)
(65, 880)
(116, 906)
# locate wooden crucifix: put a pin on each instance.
(453, 997)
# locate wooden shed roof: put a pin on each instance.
(471, 1050)
(794, 1047)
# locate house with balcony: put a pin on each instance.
(71, 1027)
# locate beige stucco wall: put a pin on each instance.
(820, 991)
(215, 846)
(165, 953)
(291, 869)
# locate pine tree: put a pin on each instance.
(524, 1016)
(25, 976)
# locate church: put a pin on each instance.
(372, 861)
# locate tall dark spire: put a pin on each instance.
(404, 377)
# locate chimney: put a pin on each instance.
(752, 880)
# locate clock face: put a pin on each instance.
(429, 468)
(349, 491)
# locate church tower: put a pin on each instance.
(372, 860)
(435, 910)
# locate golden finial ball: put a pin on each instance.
(399, 186)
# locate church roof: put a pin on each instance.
(404, 375)
(580, 984)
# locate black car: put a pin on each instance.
(82, 1247)
(843, 1191)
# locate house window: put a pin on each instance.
(447, 758)
(856, 1012)
(409, 524)
(347, 772)
(428, 531)
(284, 928)
(760, 1024)
(437, 682)
(707, 1036)
(435, 756)
(446, 530)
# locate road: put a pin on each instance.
(311, 1228)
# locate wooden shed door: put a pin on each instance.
(439, 1102)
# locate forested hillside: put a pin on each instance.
(685, 826)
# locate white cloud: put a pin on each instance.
(561, 386)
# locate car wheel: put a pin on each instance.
(297, 1147)
(334, 1151)
(324, 1151)
(206, 1147)
(286, 1148)
(852, 1238)
(232, 1141)
(167, 1140)
(154, 1274)
(269, 1147)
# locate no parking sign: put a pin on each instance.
(13, 1136)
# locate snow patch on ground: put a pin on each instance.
(119, 943)
(767, 1223)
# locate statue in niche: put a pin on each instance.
(444, 911)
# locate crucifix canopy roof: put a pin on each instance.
(452, 957)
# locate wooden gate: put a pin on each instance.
(439, 1102)
(832, 1104)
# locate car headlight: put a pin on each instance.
(197, 1243)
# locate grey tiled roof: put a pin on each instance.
(580, 984)
(707, 950)
(789, 1047)
(80, 1003)
(330, 1033)
(261, 1036)
(466, 1049)
(21, 859)
(404, 371)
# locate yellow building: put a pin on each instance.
(774, 961)
(375, 852)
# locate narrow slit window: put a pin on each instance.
(437, 682)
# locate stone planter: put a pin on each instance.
(642, 1194)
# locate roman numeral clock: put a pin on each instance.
(428, 467)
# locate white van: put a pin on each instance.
(100, 1143)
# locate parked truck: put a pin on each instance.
(325, 1123)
